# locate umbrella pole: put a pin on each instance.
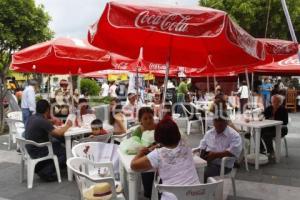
(48, 86)
(71, 93)
(165, 88)
(207, 83)
(289, 22)
(215, 81)
(249, 92)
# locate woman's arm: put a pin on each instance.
(140, 162)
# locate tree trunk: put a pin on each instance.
(2, 95)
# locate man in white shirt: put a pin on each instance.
(28, 104)
(104, 89)
(130, 109)
(221, 141)
(112, 90)
(244, 95)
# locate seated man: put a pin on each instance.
(275, 111)
(39, 129)
(221, 141)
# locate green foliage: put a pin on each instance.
(97, 101)
(90, 87)
(252, 16)
(22, 24)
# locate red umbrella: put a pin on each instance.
(183, 36)
(141, 66)
(288, 66)
(61, 56)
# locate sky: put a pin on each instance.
(71, 18)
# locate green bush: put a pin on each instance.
(90, 87)
(97, 101)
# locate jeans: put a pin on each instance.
(180, 99)
(26, 113)
(266, 99)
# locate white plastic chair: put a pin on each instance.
(230, 175)
(190, 122)
(85, 179)
(15, 115)
(98, 152)
(31, 162)
(193, 192)
(16, 128)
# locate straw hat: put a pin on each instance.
(100, 191)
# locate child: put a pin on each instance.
(174, 160)
(97, 133)
(97, 128)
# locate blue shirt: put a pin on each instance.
(265, 88)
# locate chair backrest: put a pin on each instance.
(192, 192)
(22, 145)
(84, 179)
(98, 152)
(14, 124)
(15, 115)
(99, 138)
(291, 97)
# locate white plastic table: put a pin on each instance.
(257, 126)
(76, 131)
(130, 178)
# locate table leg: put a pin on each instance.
(123, 179)
(68, 155)
(252, 135)
(257, 147)
(278, 143)
(132, 186)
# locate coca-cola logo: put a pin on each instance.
(169, 23)
(121, 66)
(289, 62)
(156, 67)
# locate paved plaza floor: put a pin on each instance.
(271, 182)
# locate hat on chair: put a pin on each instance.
(100, 191)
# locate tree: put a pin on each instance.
(90, 87)
(22, 23)
(252, 15)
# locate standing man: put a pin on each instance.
(112, 90)
(266, 89)
(28, 104)
(243, 93)
(182, 91)
(104, 89)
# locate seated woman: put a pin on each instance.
(146, 119)
(80, 116)
(116, 118)
(174, 160)
(275, 111)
